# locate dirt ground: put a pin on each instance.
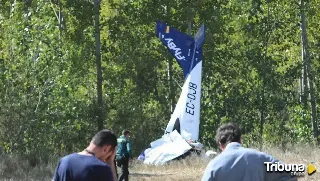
(192, 168)
(14, 169)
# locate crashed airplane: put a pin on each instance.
(182, 132)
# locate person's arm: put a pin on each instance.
(56, 175)
(110, 162)
(113, 171)
(209, 173)
(129, 148)
(106, 174)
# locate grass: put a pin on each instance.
(15, 168)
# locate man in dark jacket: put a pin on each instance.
(124, 153)
(95, 163)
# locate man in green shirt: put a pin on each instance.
(124, 153)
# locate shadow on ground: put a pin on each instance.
(147, 175)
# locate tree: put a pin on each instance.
(308, 76)
(100, 112)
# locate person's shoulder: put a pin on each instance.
(212, 167)
(67, 157)
(121, 138)
(260, 154)
(70, 156)
(63, 164)
(77, 158)
(95, 162)
(217, 160)
(125, 138)
(250, 150)
(216, 164)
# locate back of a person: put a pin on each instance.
(240, 164)
(122, 146)
(123, 155)
(237, 163)
(76, 167)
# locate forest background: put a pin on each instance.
(71, 67)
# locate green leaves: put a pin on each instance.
(251, 70)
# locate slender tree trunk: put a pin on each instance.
(171, 88)
(301, 87)
(262, 113)
(60, 29)
(305, 82)
(27, 26)
(283, 131)
(170, 75)
(265, 59)
(304, 86)
(100, 116)
(306, 60)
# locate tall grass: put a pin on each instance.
(18, 168)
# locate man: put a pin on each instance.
(123, 154)
(237, 163)
(95, 163)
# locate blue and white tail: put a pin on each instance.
(188, 52)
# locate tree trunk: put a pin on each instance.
(60, 29)
(306, 62)
(265, 59)
(100, 117)
(262, 117)
(171, 91)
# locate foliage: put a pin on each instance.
(251, 70)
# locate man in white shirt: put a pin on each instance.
(237, 163)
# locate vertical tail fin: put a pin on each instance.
(188, 52)
(180, 45)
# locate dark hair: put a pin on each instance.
(125, 132)
(105, 137)
(228, 133)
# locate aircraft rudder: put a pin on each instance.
(200, 36)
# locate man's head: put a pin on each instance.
(104, 143)
(228, 133)
(126, 133)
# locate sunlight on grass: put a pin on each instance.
(19, 169)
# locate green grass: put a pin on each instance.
(17, 168)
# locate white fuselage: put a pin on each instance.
(188, 106)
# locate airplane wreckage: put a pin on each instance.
(182, 132)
